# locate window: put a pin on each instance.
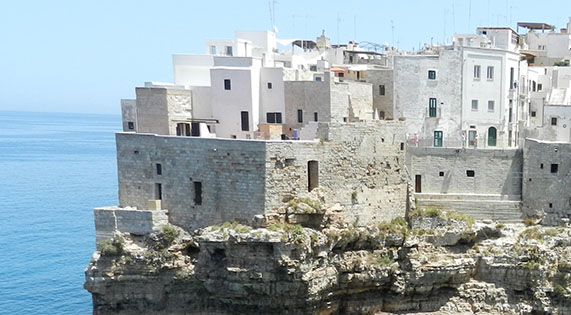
(274, 118)
(470, 173)
(533, 114)
(432, 107)
(381, 90)
(533, 86)
(158, 191)
(550, 205)
(475, 105)
(299, 116)
(131, 125)
(341, 74)
(440, 174)
(476, 72)
(553, 121)
(183, 129)
(431, 74)
(229, 50)
(245, 121)
(315, 116)
(227, 84)
(312, 175)
(541, 166)
(438, 138)
(510, 115)
(318, 79)
(512, 74)
(213, 50)
(539, 86)
(197, 193)
(491, 106)
(490, 73)
(554, 168)
(402, 146)
(269, 85)
(159, 168)
(195, 129)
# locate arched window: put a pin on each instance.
(492, 136)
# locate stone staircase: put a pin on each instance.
(502, 208)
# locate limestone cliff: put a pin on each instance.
(436, 262)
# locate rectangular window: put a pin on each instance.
(317, 79)
(159, 168)
(274, 118)
(553, 121)
(213, 50)
(438, 138)
(227, 84)
(315, 116)
(229, 51)
(491, 105)
(554, 168)
(475, 105)
(197, 193)
(299, 116)
(539, 87)
(533, 114)
(183, 129)
(245, 121)
(432, 107)
(512, 74)
(158, 191)
(476, 72)
(510, 115)
(131, 125)
(440, 174)
(470, 173)
(195, 129)
(381, 90)
(431, 74)
(490, 73)
(269, 85)
(533, 86)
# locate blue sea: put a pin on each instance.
(54, 169)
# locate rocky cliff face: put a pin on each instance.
(434, 263)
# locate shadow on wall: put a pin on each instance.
(513, 182)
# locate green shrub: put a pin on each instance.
(428, 211)
(469, 220)
(170, 233)
(529, 221)
(236, 226)
(383, 261)
(112, 247)
(500, 225)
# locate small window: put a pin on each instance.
(159, 168)
(553, 121)
(432, 107)
(341, 74)
(315, 116)
(539, 86)
(197, 193)
(475, 105)
(554, 168)
(245, 121)
(491, 105)
(229, 51)
(490, 73)
(318, 79)
(299, 116)
(131, 125)
(213, 50)
(470, 173)
(269, 85)
(438, 138)
(510, 115)
(158, 191)
(440, 174)
(381, 90)
(431, 75)
(550, 205)
(476, 72)
(533, 114)
(402, 146)
(541, 166)
(227, 84)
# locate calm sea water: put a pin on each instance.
(54, 169)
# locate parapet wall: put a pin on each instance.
(546, 181)
(466, 171)
(109, 220)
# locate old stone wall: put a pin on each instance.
(230, 172)
(361, 167)
(109, 220)
(158, 109)
(546, 180)
(129, 114)
(448, 171)
(360, 101)
(310, 97)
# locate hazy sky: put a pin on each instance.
(84, 56)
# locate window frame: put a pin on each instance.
(438, 138)
(490, 73)
(382, 89)
(477, 72)
(431, 74)
(474, 102)
(432, 107)
(493, 107)
(300, 116)
(227, 84)
(245, 121)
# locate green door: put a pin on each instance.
(492, 137)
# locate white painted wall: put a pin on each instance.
(192, 70)
(272, 100)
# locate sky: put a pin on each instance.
(83, 56)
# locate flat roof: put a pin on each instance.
(535, 26)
